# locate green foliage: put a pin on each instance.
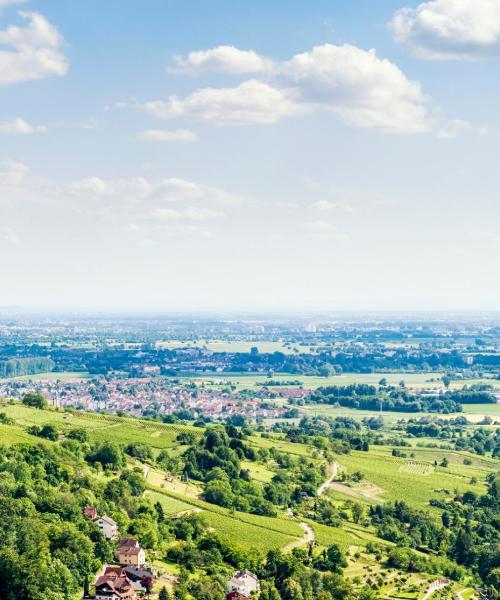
(35, 400)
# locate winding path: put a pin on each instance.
(334, 468)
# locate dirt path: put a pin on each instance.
(334, 468)
(308, 538)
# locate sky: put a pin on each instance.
(221, 155)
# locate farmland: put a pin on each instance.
(414, 480)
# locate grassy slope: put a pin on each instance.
(400, 482)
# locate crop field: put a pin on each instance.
(416, 468)
(264, 346)
(282, 445)
(244, 381)
(114, 429)
(10, 434)
(347, 536)
(243, 529)
(492, 410)
(171, 506)
(53, 376)
(384, 471)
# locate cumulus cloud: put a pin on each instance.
(34, 51)
(165, 135)
(251, 102)
(450, 29)
(140, 189)
(363, 89)
(225, 59)
(20, 126)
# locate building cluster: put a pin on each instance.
(151, 395)
(131, 575)
(243, 585)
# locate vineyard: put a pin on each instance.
(242, 529)
(402, 483)
(116, 429)
(416, 468)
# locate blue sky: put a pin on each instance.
(264, 155)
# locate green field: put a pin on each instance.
(412, 380)
(114, 429)
(392, 478)
(244, 346)
(53, 376)
(243, 529)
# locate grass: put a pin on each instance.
(258, 472)
(243, 346)
(399, 482)
(114, 429)
(412, 380)
(11, 434)
(53, 376)
(243, 529)
(282, 445)
(171, 506)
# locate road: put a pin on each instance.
(334, 468)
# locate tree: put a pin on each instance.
(35, 400)
(163, 595)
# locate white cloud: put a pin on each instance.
(12, 172)
(363, 89)
(450, 29)
(35, 51)
(171, 190)
(251, 102)
(325, 230)
(456, 127)
(20, 126)
(164, 135)
(95, 186)
(226, 59)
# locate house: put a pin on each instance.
(235, 596)
(143, 580)
(114, 585)
(90, 512)
(108, 527)
(244, 584)
(130, 553)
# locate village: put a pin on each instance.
(132, 577)
(155, 397)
